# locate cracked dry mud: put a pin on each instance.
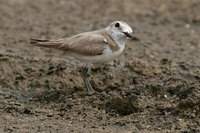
(153, 87)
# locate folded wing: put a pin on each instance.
(88, 44)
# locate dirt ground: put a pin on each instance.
(153, 87)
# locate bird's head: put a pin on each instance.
(119, 30)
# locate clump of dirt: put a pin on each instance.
(154, 86)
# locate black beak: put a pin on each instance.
(128, 35)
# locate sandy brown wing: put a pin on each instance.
(88, 44)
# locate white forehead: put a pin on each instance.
(125, 27)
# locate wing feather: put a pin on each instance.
(89, 43)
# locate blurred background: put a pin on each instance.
(153, 86)
(162, 24)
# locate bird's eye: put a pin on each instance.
(117, 25)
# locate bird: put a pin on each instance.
(94, 47)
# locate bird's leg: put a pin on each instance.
(85, 79)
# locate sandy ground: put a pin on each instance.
(153, 87)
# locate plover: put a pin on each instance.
(93, 47)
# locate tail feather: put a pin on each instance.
(46, 43)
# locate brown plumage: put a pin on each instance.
(88, 43)
(46, 43)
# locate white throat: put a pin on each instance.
(116, 37)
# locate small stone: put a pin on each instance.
(187, 26)
(198, 122)
(50, 115)
(193, 115)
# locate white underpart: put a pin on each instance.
(107, 56)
